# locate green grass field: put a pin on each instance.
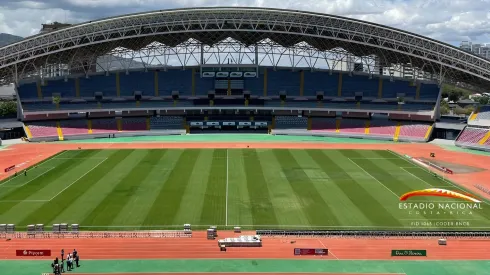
(252, 188)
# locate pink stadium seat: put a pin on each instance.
(414, 130)
(355, 126)
(487, 143)
(104, 126)
(43, 129)
(74, 127)
(382, 127)
(471, 136)
(134, 124)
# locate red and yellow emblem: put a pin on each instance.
(437, 192)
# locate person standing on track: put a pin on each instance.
(62, 253)
(77, 258)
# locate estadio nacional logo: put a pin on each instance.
(465, 207)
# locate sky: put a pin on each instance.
(451, 21)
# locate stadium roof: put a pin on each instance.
(77, 45)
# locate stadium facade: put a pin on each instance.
(236, 69)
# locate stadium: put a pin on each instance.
(254, 135)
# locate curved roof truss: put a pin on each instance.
(249, 26)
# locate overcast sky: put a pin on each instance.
(451, 21)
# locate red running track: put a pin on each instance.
(273, 248)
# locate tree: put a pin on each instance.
(483, 100)
(454, 96)
(56, 99)
(8, 108)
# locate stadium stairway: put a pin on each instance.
(89, 125)
(60, 132)
(27, 131)
(484, 138)
(397, 131)
(366, 129)
(429, 132)
(474, 114)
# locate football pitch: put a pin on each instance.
(136, 189)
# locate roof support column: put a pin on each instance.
(202, 54)
(256, 54)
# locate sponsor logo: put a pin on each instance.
(437, 192)
(33, 253)
(413, 253)
(10, 168)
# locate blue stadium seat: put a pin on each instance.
(98, 83)
(166, 123)
(320, 81)
(283, 81)
(429, 91)
(359, 83)
(137, 81)
(65, 88)
(255, 85)
(203, 84)
(28, 90)
(291, 122)
(175, 80)
(484, 113)
(390, 89)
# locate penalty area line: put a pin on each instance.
(86, 173)
(17, 186)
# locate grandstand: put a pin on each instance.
(240, 70)
(353, 98)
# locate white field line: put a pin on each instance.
(374, 178)
(428, 171)
(23, 201)
(17, 186)
(81, 158)
(329, 251)
(226, 203)
(374, 158)
(415, 176)
(62, 190)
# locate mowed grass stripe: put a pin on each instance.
(23, 209)
(239, 209)
(315, 208)
(107, 210)
(191, 205)
(96, 192)
(52, 209)
(213, 209)
(370, 206)
(28, 190)
(263, 212)
(167, 204)
(378, 169)
(287, 205)
(344, 209)
(136, 209)
(417, 175)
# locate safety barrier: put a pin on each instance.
(98, 234)
(376, 234)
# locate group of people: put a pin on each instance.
(72, 260)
